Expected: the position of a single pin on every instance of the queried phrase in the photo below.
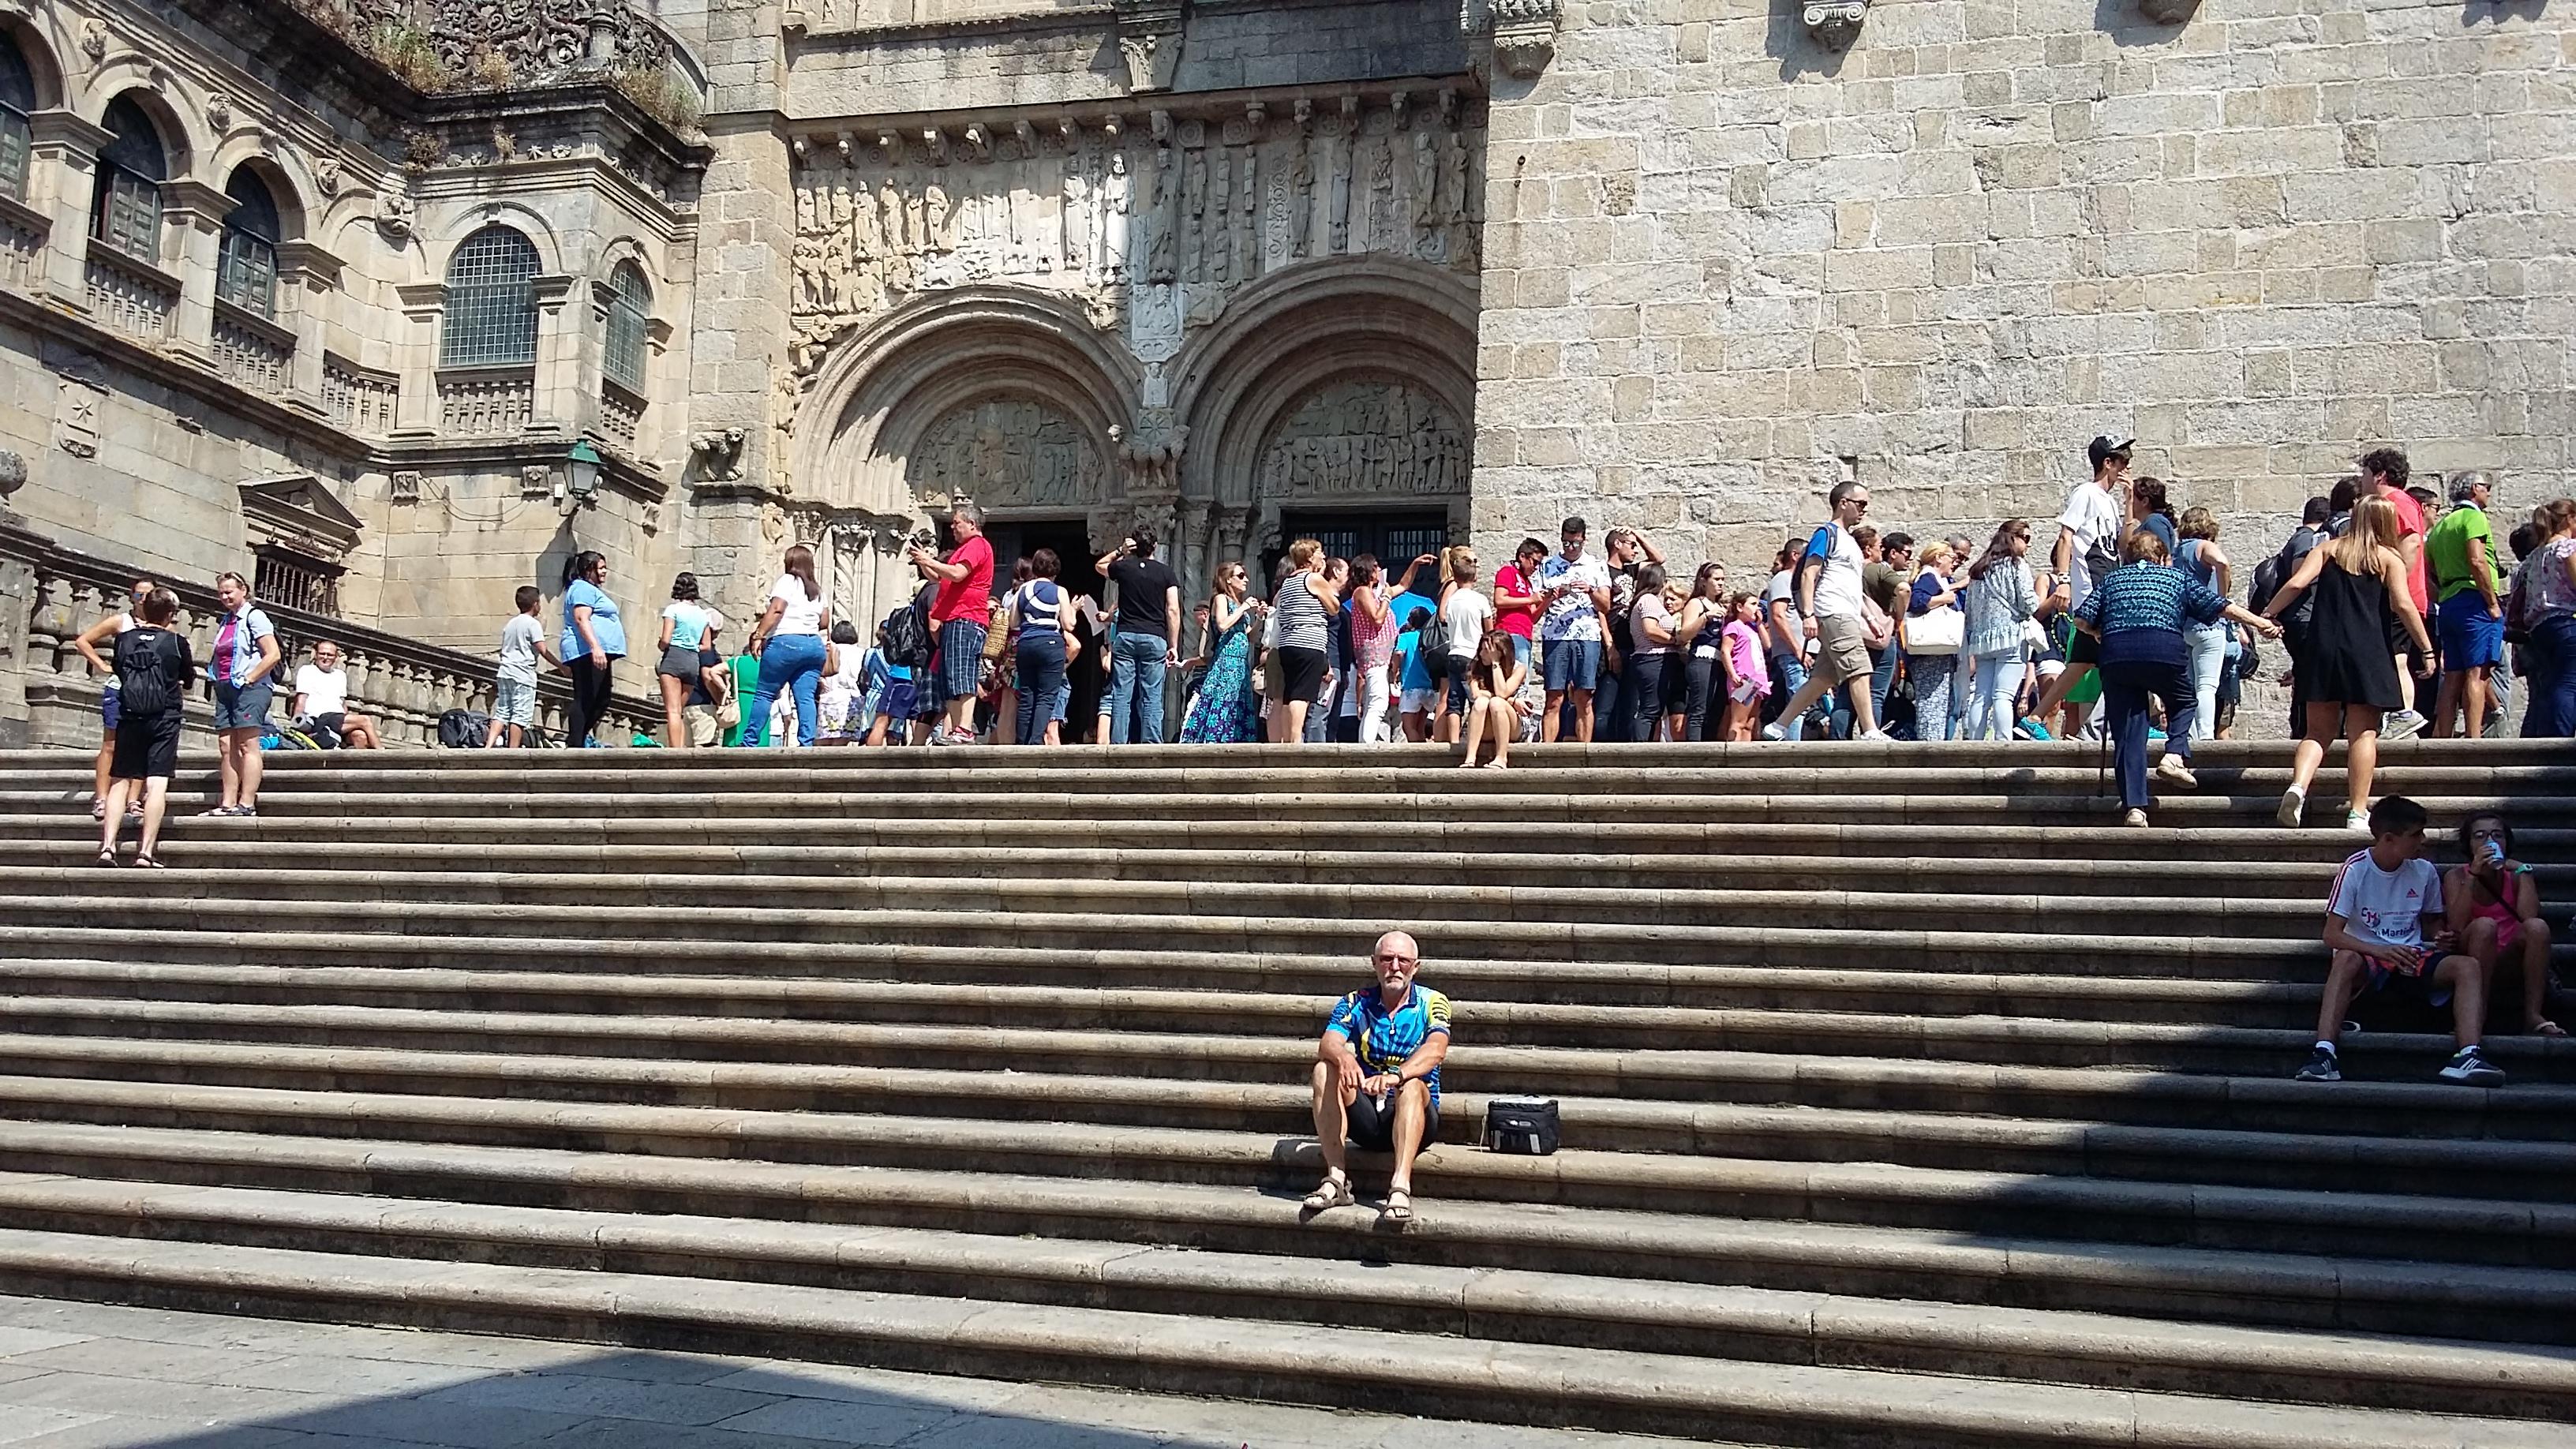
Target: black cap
(2103, 447)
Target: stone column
(63, 176)
(562, 404)
(19, 550)
(305, 277)
(192, 223)
(424, 306)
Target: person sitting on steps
(1377, 1077)
(2495, 908)
(2375, 925)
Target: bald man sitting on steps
(1377, 1076)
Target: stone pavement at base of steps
(106, 1376)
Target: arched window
(246, 274)
(126, 211)
(491, 301)
(17, 102)
(630, 306)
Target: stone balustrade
(132, 297)
(621, 417)
(22, 243)
(404, 685)
(359, 399)
(486, 402)
(252, 352)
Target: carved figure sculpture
(1426, 194)
(1301, 198)
(1194, 208)
(1113, 218)
(1166, 219)
(1381, 214)
(811, 288)
(1220, 221)
(1077, 215)
(1341, 235)
(1247, 232)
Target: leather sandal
(1334, 1192)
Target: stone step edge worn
(1263, 1155)
(1134, 1210)
(1525, 1383)
(2081, 1348)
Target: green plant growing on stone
(408, 53)
(488, 69)
(660, 93)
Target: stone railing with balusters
(405, 686)
(250, 351)
(22, 243)
(135, 298)
(486, 402)
(621, 417)
(359, 399)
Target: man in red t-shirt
(1517, 598)
(2384, 470)
(960, 615)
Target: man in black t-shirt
(1146, 641)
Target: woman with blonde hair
(1227, 708)
(2198, 555)
(1934, 630)
(1465, 614)
(2346, 673)
(1304, 607)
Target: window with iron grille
(290, 580)
(630, 306)
(491, 302)
(17, 102)
(246, 274)
(126, 212)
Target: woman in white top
(1467, 613)
(844, 683)
(688, 630)
(789, 642)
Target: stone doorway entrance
(1014, 539)
(1396, 537)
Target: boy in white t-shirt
(514, 682)
(2375, 925)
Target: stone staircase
(1906, 1099)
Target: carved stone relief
(1365, 437)
(76, 416)
(1009, 452)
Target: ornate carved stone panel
(1365, 438)
(1009, 452)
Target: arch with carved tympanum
(1390, 339)
(1004, 395)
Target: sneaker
(1774, 733)
(2174, 771)
(2470, 1068)
(941, 736)
(2323, 1066)
(220, 812)
(2032, 729)
(2356, 820)
(2294, 807)
(2405, 724)
(2136, 818)
(1874, 735)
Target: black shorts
(147, 746)
(2083, 649)
(2419, 989)
(1301, 674)
(1372, 1122)
(335, 722)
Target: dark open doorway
(1396, 538)
(1017, 538)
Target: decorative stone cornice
(1836, 23)
(1525, 35)
(1149, 39)
(308, 260)
(200, 202)
(55, 132)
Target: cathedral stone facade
(396, 304)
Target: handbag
(1526, 1126)
(1942, 631)
(1875, 625)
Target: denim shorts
(109, 699)
(243, 706)
(1571, 664)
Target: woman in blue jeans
(789, 641)
(1037, 618)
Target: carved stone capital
(2169, 12)
(1149, 40)
(1836, 23)
(1525, 35)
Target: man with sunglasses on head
(105, 631)
(1828, 592)
(1377, 1077)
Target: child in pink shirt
(1747, 682)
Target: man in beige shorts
(1829, 602)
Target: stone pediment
(298, 511)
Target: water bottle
(2491, 854)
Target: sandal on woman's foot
(2546, 1027)
(1334, 1192)
(1399, 1207)
(107, 857)
(98, 808)
(149, 862)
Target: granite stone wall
(1726, 266)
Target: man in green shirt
(2470, 613)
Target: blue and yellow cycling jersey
(1383, 1039)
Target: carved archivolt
(1365, 438)
(1009, 452)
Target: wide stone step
(1665, 1057)
(987, 833)
(1341, 1365)
(765, 932)
(2346, 1155)
(2035, 1097)
(1507, 1305)
(2300, 1289)
(1283, 996)
(2493, 1231)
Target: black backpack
(907, 638)
(143, 672)
(463, 729)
